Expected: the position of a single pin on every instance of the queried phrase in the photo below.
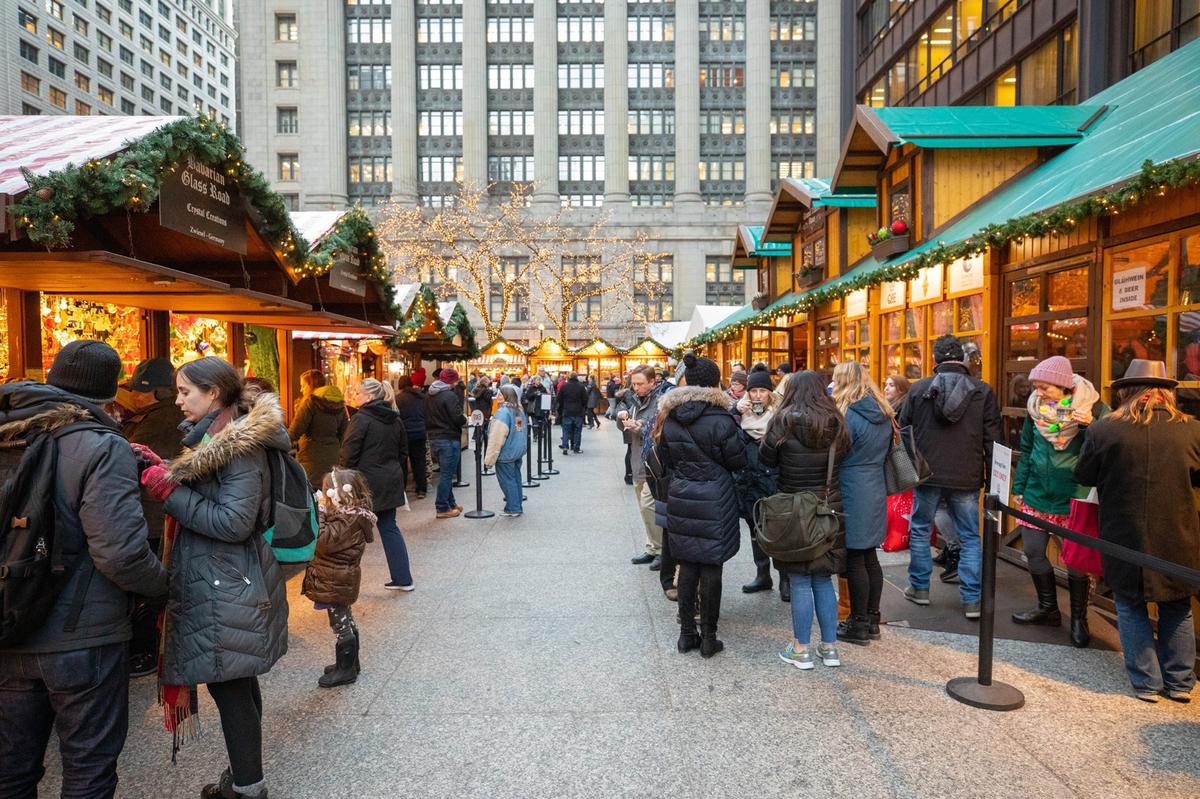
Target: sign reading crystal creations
(891, 295)
(966, 275)
(343, 276)
(856, 304)
(203, 202)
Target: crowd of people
(149, 509)
(702, 452)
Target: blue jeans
(964, 508)
(393, 547)
(83, 695)
(447, 454)
(572, 432)
(811, 591)
(508, 475)
(1162, 663)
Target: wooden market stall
(501, 356)
(646, 352)
(551, 355)
(436, 334)
(599, 358)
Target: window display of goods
(66, 319)
(195, 337)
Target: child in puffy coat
(347, 525)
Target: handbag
(1085, 519)
(798, 527)
(904, 468)
(899, 515)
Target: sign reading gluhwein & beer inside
(203, 202)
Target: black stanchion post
(479, 512)
(529, 481)
(981, 691)
(487, 472)
(550, 448)
(458, 481)
(539, 430)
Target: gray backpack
(799, 527)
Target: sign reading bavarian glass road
(203, 202)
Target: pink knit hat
(1055, 370)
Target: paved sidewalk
(534, 661)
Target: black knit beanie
(760, 377)
(701, 372)
(948, 348)
(89, 369)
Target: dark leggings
(239, 703)
(1033, 542)
(707, 578)
(865, 579)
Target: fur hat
(760, 377)
(701, 372)
(87, 368)
(948, 348)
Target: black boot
(1080, 588)
(940, 558)
(873, 618)
(710, 613)
(785, 588)
(709, 643)
(689, 639)
(343, 672)
(1046, 613)
(855, 630)
(223, 789)
(950, 568)
(762, 582)
(357, 662)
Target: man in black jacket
(445, 425)
(571, 404)
(955, 420)
(72, 673)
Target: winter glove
(158, 483)
(146, 457)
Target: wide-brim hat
(1142, 372)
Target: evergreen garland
(424, 308)
(1152, 181)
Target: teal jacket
(1045, 478)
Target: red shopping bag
(1085, 518)
(898, 515)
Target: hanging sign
(927, 285)
(891, 295)
(343, 276)
(1129, 289)
(203, 202)
(1001, 484)
(856, 304)
(966, 275)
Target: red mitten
(158, 483)
(145, 455)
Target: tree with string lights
(481, 244)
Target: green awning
(768, 249)
(991, 126)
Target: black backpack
(32, 568)
(292, 527)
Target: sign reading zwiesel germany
(202, 201)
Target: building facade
(126, 57)
(670, 118)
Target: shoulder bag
(904, 468)
(799, 527)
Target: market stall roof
(549, 348)
(796, 196)
(313, 225)
(648, 347)
(598, 347)
(874, 132)
(671, 334)
(436, 328)
(749, 246)
(105, 277)
(501, 345)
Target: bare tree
(481, 244)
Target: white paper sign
(1001, 472)
(891, 295)
(856, 304)
(966, 274)
(546, 402)
(1129, 288)
(927, 285)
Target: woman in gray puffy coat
(226, 617)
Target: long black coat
(572, 399)
(701, 446)
(1145, 475)
(955, 419)
(414, 410)
(377, 445)
(802, 457)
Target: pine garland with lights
(425, 308)
(1154, 180)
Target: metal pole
(981, 691)
(550, 448)
(539, 431)
(479, 512)
(529, 481)
(458, 481)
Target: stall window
(900, 204)
(1153, 305)
(856, 343)
(195, 337)
(1046, 314)
(800, 360)
(770, 345)
(66, 319)
(829, 345)
(904, 343)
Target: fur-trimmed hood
(260, 428)
(687, 404)
(27, 406)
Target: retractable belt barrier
(981, 691)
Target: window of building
(148, 94)
(58, 98)
(286, 29)
(581, 76)
(55, 8)
(105, 94)
(83, 82)
(287, 120)
(723, 285)
(793, 29)
(651, 199)
(80, 24)
(578, 200)
(502, 29)
(501, 123)
(651, 76)
(581, 29)
(370, 123)
(127, 82)
(651, 122)
(581, 274)
(582, 122)
(722, 123)
(651, 29)
(440, 76)
(127, 107)
(439, 29)
(57, 68)
(1046, 313)
(82, 109)
(27, 21)
(509, 268)
(581, 167)
(722, 28)
(289, 166)
(369, 31)
(30, 110)
(722, 168)
(81, 53)
(285, 74)
(440, 168)
(30, 84)
(28, 51)
(726, 76)
(104, 41)
(510, 167)
(651, 167)
(793, 122)
(292, 201)
(793, 169)
(652, 296)
(147, 44)
(510, 76)
(788, 76)
(56, 38)
(369, 77)
(126, 29)
(370, 169)
(147, 69)
(104, 68)
(1160, 27)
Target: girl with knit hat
(755, 411)
(1060, 408)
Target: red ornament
(899, 227)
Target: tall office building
(668, 117)
(154, 57)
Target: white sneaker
(801, 659)
(828, 654)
